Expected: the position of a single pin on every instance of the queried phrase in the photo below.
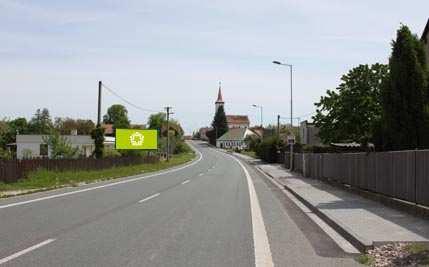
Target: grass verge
(365, 259)
(249, 153)
(44, 180)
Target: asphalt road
(203, 214)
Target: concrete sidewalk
(361, 221)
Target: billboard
(136, 139)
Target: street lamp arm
(282, 64)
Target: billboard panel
(136, 139)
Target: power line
(127, 101)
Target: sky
(159, 53)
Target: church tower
(219, 102)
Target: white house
(33, 146)
(309, 134)
(234, 138)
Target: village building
(233, 121)
(235, 138)
(34, 146)
(309, 134)
(238, 128)
(203, 133)
(237, 121)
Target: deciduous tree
(353, 110)
(118, 116)
(60, 147)
(41, 122)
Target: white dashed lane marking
(149, 198)
(25, 251)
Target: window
(43, 150)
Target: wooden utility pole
(99, 103)
(168, 131)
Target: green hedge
(268, 149)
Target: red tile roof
(108, 128)
(237, 119)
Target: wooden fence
(12, 170)
(399, 174)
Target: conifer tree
(404, 96)
(219, 124)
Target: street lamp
(291, 105)
(260, 107)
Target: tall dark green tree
(41, 122)
(65, 126)
(118, 116)
(352, 112)
(98, 136)
(219, 125)
(157, 120)
(405, 94)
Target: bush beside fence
(399, 174)
(13, 170)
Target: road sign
(291, 139)
(136, 139)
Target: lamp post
(291, 105)
(261, 108)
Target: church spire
(219, 102)
(219, 94)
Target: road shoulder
(292, 232)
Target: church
(238, 128)
(233, 121)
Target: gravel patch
(399, 254)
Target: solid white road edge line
(106, 185)
(25, 251)
(263, 255)
(150, 197)
(345, 245)
(185, 182)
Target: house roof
(258, 130)
(235, 134)
(425, 32)
(38, 139)
(108, 128)
(237, 119)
